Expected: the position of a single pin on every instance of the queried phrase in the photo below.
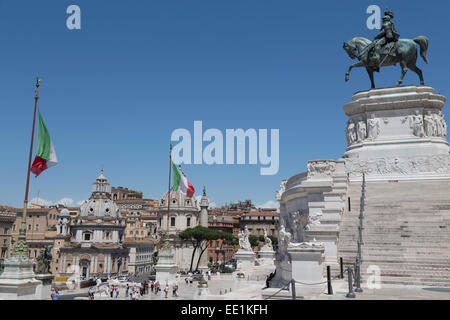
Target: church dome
(100, 203)
(178, 201)
(64, 213)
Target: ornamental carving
(437, 164)
(320, 168)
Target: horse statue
(404, 52)
(44, 260)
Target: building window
(29, 227)
(188, 222)
(6, 231)
(14, 227)
(87, 236)
(172, 222)
(131, 233)
(36, 227)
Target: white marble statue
(438, 120)
(244, 243)
(313, 220)
(280, 192)
(362, 130)
(444, 125)
(373, 125)
(430, 124)
(351, 133)
(416, 123)
(297, 226)
(284, 239)
(267, 242)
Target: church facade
(92, 242)
(184, 214)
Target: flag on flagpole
(181, 183)
(45, 156)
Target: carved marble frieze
(321, 168)
(435, 164)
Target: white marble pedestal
(245, 260)
(166, 269)
(266, 257)
(18, 281)
(397, 133)
(307, 268)
(45, 288)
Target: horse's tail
(422, 41)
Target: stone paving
(387, 292)
(219, 289)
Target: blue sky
(113, 92)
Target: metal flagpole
(167, 244)
(21, 247)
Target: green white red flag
(45, 156)
(181, 183)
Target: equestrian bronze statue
(386, 50)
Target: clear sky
(113, 92)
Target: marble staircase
(406, 231)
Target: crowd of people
(136, 292)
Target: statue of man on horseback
(387, 37)
(386, 50)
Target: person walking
(152, 285)
(174, 290)
(55, 294)
(117, 292)
(111, 291)
(127, 290)
(166, 290)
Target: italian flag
(46, 156)
(181, 183)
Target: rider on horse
(388, 34)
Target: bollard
(294, 296)
(342, 267)
(350, 293)
(358, 276)
(330, 288)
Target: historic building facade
(255, 221)
(218, 251)
(184, 213)
(94, 242)
(7, 220)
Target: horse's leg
(404, 70)
(370, 72)
(414, 68)
(355, 65)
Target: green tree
(200, 238)
(254, 240)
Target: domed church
(94, 244)
(184, 213)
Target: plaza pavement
(229, 289)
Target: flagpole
(21, 247)
(168, 198)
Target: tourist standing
(117, 292)
(111, 292)
(166, 290)
(55, 295)
(152, 285)
(126, 291)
